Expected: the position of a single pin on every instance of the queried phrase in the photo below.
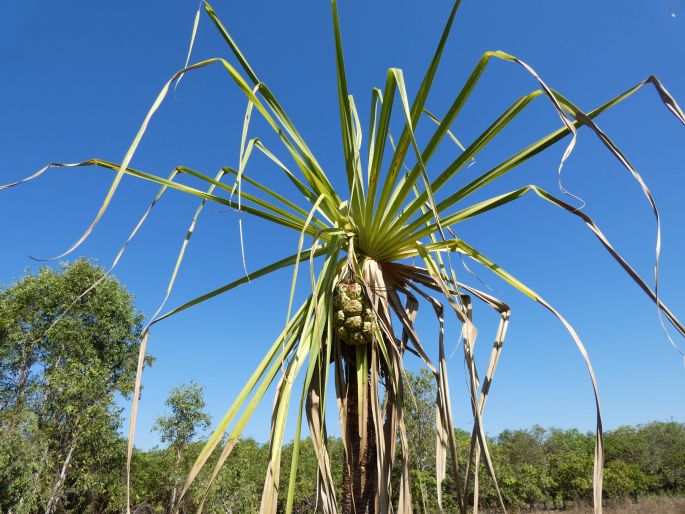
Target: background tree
(419, 413)
(185, 420)
(657, 449)
(238, 487)
(59, 375)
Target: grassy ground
(660, 505)
(648, 506)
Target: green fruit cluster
(355, 321)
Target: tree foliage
(185, 419)
(59, 374)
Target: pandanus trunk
(360, 474)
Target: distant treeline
(535, 468)
(61, 449)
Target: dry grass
(660, 505)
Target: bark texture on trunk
(360, 474)
(174, 490)
(55, 496)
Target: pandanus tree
(375, 254)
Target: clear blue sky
(78, 78)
